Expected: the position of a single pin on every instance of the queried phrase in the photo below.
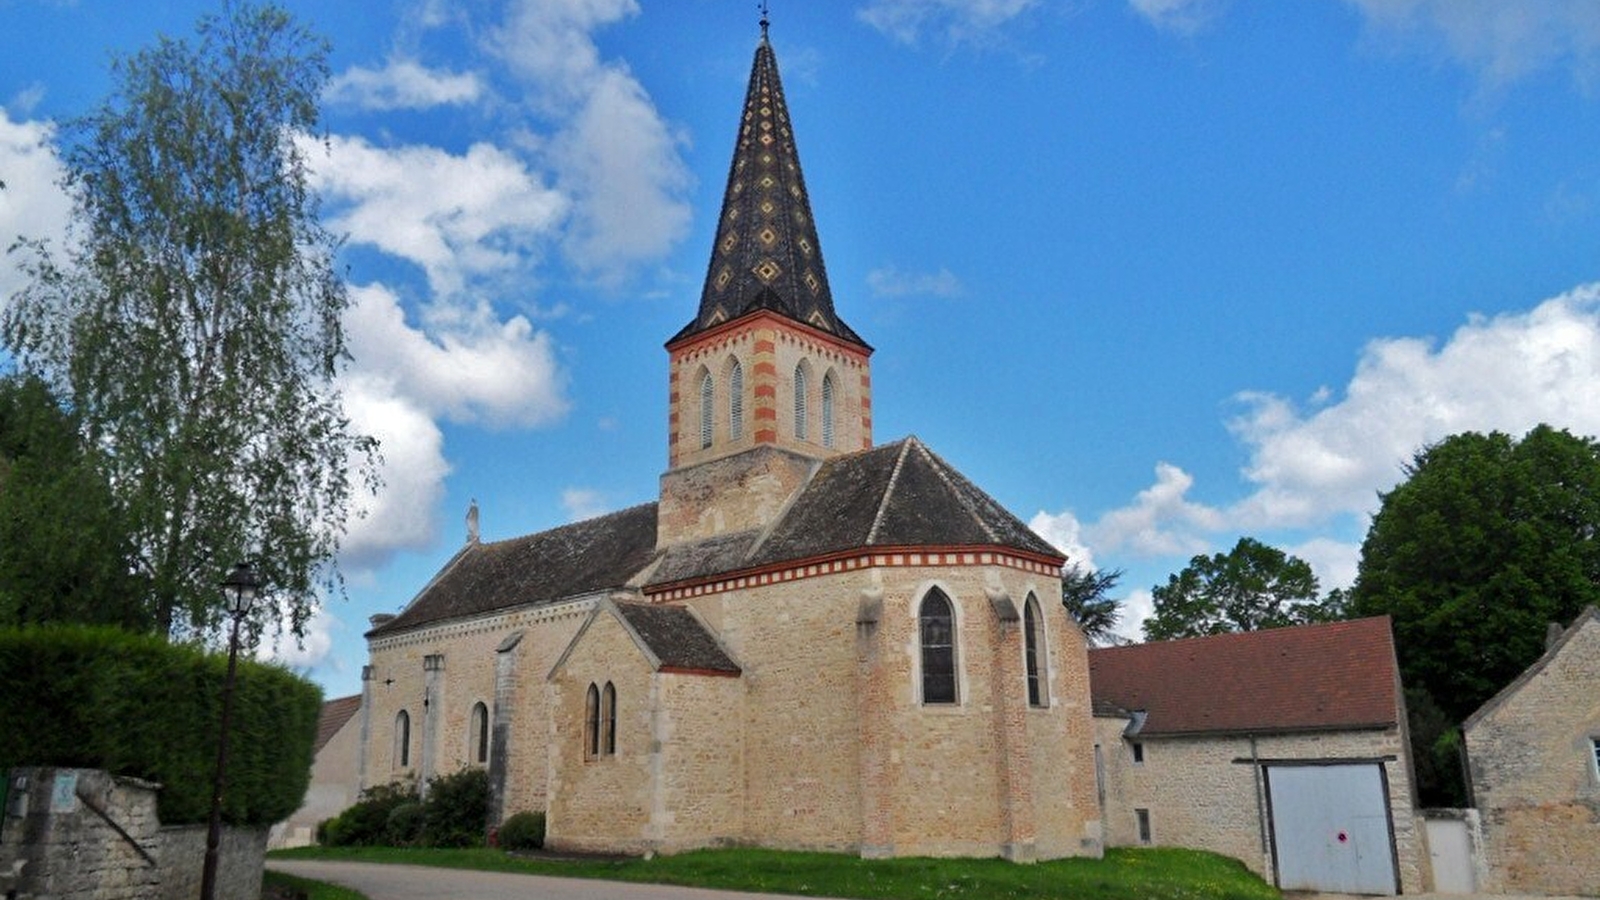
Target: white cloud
(473, 369)
(583, 503)
(1506, 373)
(458, 217)
(1065, 533)
(1161, 521)
(954, 21)
(1502, 40)
(890, 281)
(32, 205)
(612, 152)
(306, 652)
(401, 515)
(1181, 16)
(402, 84)
(1320, 468)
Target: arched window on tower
(736, 401)
(1033, 653)
(827, 410)
(478, 734)
(936, 626)
(591, 723)
(708, 409)
(402, 739)
(800, 430)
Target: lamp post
(239, 588)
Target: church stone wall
(796, 644)
(605, 802)
(1200, 795)
(1535, 776)
(467, 657)
(841, 754)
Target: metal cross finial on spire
(765, 22)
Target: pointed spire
(766, 254)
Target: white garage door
(1330, 828)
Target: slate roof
(766, 255)
(677, 638)
(1341, 675)
(334, 715)
(582, 558)
(897, 495)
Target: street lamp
(239, 589)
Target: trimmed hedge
(100, 698)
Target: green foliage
(405, 825)
(1435, 752)
(1251, 587)
(367, 822)
(456, 809)
(195, 325)
(1086, 593)
(1124, 874)
(136, 705)
(1486, 542)
(65, 555)
(523, 831)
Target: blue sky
(1155, 273)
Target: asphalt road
(380, 881)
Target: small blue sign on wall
(64, 793)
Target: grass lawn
(1124, 874)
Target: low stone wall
(83, 834)
(240, 859)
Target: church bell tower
(766, 363)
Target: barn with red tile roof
(1285, 748)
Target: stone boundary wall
(84, 834)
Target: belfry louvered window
(707, 409)
(800, 403)
(736, 401)
(827, 410)
(936, 626)
(1033, 652)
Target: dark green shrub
(523, 831)
(456, 809)
(367, 822)
(405, 825)
(100, 698)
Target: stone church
(807, 642)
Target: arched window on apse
(936, 627)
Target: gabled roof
(897, 495)
(1590, 616)
(676, 639)
(334, 715)
(670, 638)
(1341, 675)
(582, 558)
(766, 255)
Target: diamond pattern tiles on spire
(766, 254)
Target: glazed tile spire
(766, 255)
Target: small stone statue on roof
(472, 522)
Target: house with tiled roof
(1285, 748)
(335, 783)
(1533, 754)
(807, 640)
